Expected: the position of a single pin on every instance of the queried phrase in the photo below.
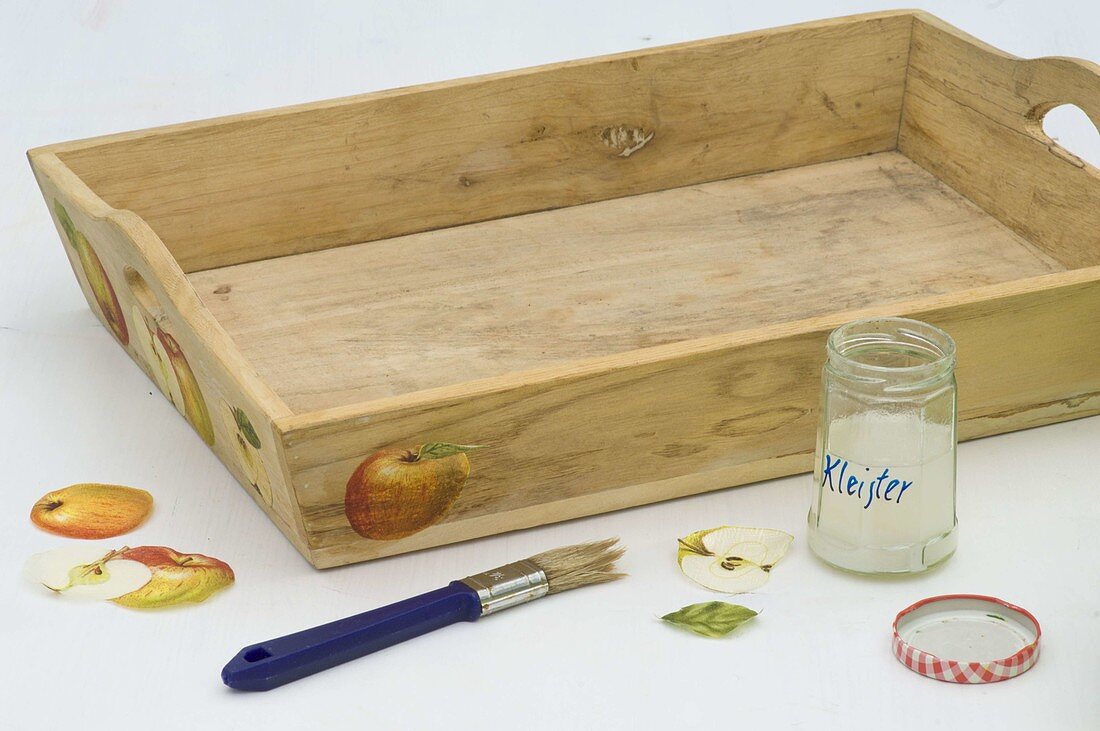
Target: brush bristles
(570, 567)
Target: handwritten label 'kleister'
(856, 481)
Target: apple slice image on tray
(153, 355)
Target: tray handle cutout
(1055, 81)
(143, 294)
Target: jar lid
(966, 638)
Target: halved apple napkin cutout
(732, 559)
(146, 577)
(85, 572)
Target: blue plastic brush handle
(276, 662)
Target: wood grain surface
(689, 417)
(973, 117)
(380, 319)
(395, 162)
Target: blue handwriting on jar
(878, 488)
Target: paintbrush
(276, 662)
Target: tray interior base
(378, 319)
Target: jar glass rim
(891, 330)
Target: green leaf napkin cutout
(710, 619)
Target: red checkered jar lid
(966, 638)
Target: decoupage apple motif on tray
(156, 360)
(194, 405)
(95, 275)
(164, 358)
(401, 490)
(248, 445)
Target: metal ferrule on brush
(509, 585)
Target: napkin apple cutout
(176, 578)
(85, 572)
(398, 491)
(92, 510)
(732, 559)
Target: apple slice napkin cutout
(86, 573)
(146, 577)
(732, 559)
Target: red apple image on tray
(398, 491)
(96, 275)
(91, 510)
(176, 577)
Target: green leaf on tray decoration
(710, 619)
(246, 427)
(439, 450)
(66, 222)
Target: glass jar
(884, 476)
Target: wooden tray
(615, 275)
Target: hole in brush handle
(255, 654)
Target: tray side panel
(398, 162)
(681, 419)
(136, 290)
(973, 117)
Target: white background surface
(74, 408)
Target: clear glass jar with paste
(884, 476)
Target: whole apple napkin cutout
(146, 577)
(92, 511)
(732, 559)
